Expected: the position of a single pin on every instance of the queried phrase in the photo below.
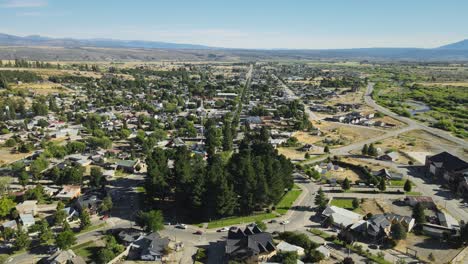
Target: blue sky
(245, 24)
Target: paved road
(291, 95)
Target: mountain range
(39, 47)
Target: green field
(343, 203)
(281, 208)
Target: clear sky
(245, 24)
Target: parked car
(224, 229)
(285, 222)
(181, 226)
(273, 221)
(198, 232)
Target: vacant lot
(346, 133)
(6, 157)
(44, 88)
(419, 141)
(424, 246)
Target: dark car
(198, 232)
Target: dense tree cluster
(252, 179)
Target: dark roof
(153, 244)
(449, 161)
(248, 242)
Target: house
(284, 246)
(391, 156)
(426, 201)
(342, 218)
(388, 174)
(447, 166)
(71, 213)
(250, 245)
(69, 192)
(175, 143)
(10, 224)
(65, 257)
(90, 202)
(152, 247)
(129, 236)
(324, 250)
(27, 220)
(27, 207)
(128, 165)
(380, 225)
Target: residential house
(152, 247)
(426, 201)
(27, 220)
(129, 236)
(27, 207)
(65, 257)
(128, 165)
(90, 202)
(250, 245)
(342, 218)
(69, 192)
(10, 224)
(324, 250)
(388, 175)
(71, 213)
(391, 156)
(284, 246)
(447, 166)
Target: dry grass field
(347, 133)
(6, 157)
(43, 88)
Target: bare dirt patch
(424, 246)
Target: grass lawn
(319, 233)
(399, 183)
(282, 207)
(86, 250)
(91, 228)
(288, 199)
(240, 220)
(346, 204)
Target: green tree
(65, 239)
(85, 219)
(326, 149)
(23, 178)
(97, 178)
(107, 204)
(382, 184)
(151, 221)
(372, 151)
(355, 203)
(6, 205)
(60, 214)
(346, 185)
(227, 134)
(407, 186)
(418, 214)
(5, 182)
(45, 233)
(398, 231)
(22, 240)
(365, 149)
(3, 82)
(320, 199)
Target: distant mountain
(461, 45)
(37, 48)
(36, 40)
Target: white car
(224, 229)
(285, 222)
(181, 226)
